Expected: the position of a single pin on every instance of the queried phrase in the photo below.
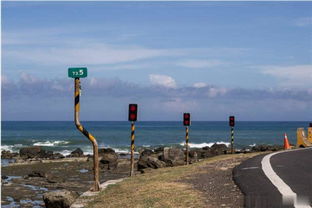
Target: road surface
(280, 179)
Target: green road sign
(79, 72)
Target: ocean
(63, 137)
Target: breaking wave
(201, 145)
(51, 143)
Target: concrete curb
(88, 196)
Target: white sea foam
(7, 147)
(252, 145)
(65, 152)
(201, 145)
(51, 143)
(121, 150)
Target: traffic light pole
(232, 139)
(186, 144)
(132, 149)
(96, 186)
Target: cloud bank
(162, 100)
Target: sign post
(232, 124)
(187, 123)
(133, 111)
(78, 73)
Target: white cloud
(199, 63)
(90, 54)
(304, 21)
(162, 80)
(298, 75)
(200, 85)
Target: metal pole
(232, 140)
(96, 186)
(186, 144)
(132, 149)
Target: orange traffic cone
(286, 143)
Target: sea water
(63, 137)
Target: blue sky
(213, 59)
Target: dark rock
(205, 152)
(264, 147)
(218, 149)
(109, 159)
(59, 199)
(260, 148)
(40, 174)
(150, 162)
(193, 155)
(206, 148)
(58, 156)
(3, 177)
(76, 153)
(146, 152)
(159, 150)
(34, 152)
(7, 154)
(276, 147)
(103, 151)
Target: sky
(212, 59)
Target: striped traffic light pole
(132, 149)
(133, 111)
(96, 186)
(186, 144)
(232, 139)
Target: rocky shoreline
(37, 172)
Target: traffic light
(133, 110)
(186, 119)
(232, 121)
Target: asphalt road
(265, 180)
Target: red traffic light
(133, 111)
(232, 121)
(186, 119)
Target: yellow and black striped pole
(232, 139)
(186, 144)
(132, 149)
(96, 186)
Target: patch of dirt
(214, 180)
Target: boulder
(58, 156)
(146, 152)
(34, 152)
(103, 151)
(150, 162)
(7, 154)
(217, 149)
(193, 155)
(204, 153)
(76, 153)
(109, 159)
(173, 156)
(59, 199)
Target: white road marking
(289, 197)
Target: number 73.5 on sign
(79, 72)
